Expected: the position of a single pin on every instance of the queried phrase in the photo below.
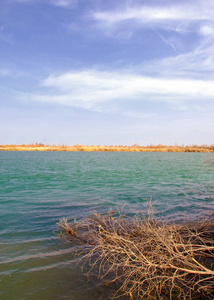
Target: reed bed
(106, 148)
(146, 258)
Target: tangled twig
(148, 259)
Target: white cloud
(191, 59)
(109, 81)
(207, 30)
(191, 11)
(195, 61)
(195, 64)
(64, 3)
(91, 89)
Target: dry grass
(120, 148)
(146, 258)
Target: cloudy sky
(107, 72)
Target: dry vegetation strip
(146, 258)
(134, 148)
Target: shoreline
(97, 148)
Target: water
(37, 189)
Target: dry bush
(146, 258)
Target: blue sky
(107, 72)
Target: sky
(97, 72)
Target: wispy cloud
(207, 30)
(195, 64)
(196, 61)
(91, 89)
(192, 60)
(64, 3)
(192, 11)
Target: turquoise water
(39, 188)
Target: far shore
(120, 148)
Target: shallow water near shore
(37, 189)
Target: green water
(39, 188)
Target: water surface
(39, 188)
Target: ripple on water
(37, 189)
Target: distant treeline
(119, 148)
